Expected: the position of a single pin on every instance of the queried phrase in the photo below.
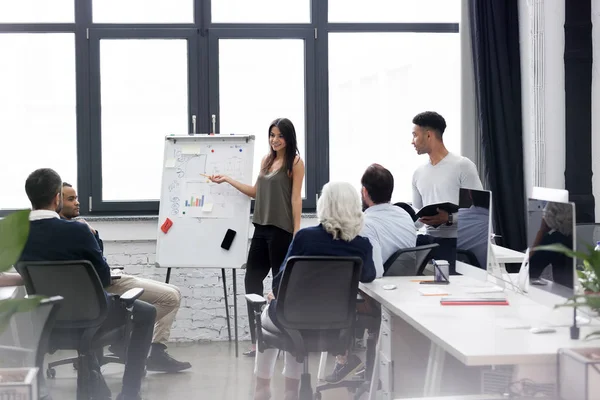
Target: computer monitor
(551, 222)
(474, 227)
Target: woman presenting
(277, 209)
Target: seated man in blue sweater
(166, 298)
(53, 239)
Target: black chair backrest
(408, 208)
(587, 235)
(85, 302)
(318, 292)
(408, 262)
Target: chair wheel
(50, 373)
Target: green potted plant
(589, 278)
(15, 382)
(14, 230)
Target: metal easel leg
(235, 313)
(226, 302)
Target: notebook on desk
(473, 301)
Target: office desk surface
(8, 292)
(480, 335)
(507, 256)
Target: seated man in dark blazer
(53, 239)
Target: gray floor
(215, 374)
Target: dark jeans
(268, 248)
(142, 327)
(445, 251)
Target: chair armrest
(255, 299)
(130, 296)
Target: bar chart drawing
(205, 199)
(195, 202)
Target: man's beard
(364, 205)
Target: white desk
(474, 335)
(507, 256)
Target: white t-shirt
(441, 183)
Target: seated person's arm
(368, 270)
(10, 279)
(295, 249)
(370, 234)
(99, 241)
(91, 252)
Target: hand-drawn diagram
(194, 196)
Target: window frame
(203, 32)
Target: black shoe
(161, 361)
(249, 353)
(342, 371)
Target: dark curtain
(495, 41)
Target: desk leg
(435, 367)
(375, 375)
(322, 366)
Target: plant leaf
(10, 307)
(561, 248)
(14, 230)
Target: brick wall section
(202, 312)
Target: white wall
(550, 109)
(131, 242)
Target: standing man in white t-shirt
(439, 181)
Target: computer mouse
(542, 330)
(389, 287)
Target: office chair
(24, 342)
(316, 310)
(102, 359)
(408, 208)
(467, 256)
(408, 262)
(84, 309)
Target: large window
(90, 88)
(261, 11)
(37, 117)
(255, 87)
(144, 97)
(143, 11)
(377, 83)
(410, 11)
(37, 11)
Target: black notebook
(431, 210)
